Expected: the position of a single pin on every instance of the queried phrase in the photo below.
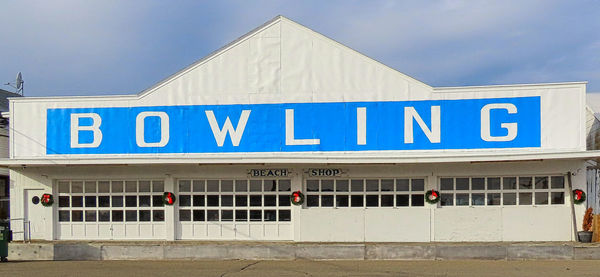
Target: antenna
(18, 85)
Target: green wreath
(297, 198)
(578, 196)
(169, 198)
(432, 196)
(47, 200)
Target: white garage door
(240, 209)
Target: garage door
(241, 209)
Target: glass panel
(270, 185)
(241, 200)
(117, 216)
(255, 185)
(447, 199)
(117, 186)
(227, 215)
(64, 216)
(212, 200)
(270, 215)
(130, 186)
(76, 201)
(199, 186)
(387, 185)
(77, 187)
(157, 201)
(312, 200)
(285, 185)
(372, 185)
(417, 200)
(255, 215)
(212, 215)
(241, 215)
(158, 186)
(402, 200)
(144, 201)
(357, 201)
(227, 186)
(104, 201)
(241, 185)
(104, 186)
(227, 200)
(525, 198)
(270, 200)
(130, 215)
(199, 201)
(255, 200)
(145, 187)
(185, 215)
(103, 216)
(541, 182)
(493, 183)
(130, 201)
(462, 184)
(285, 215)
(493, 199)
(185, 201)
(158, 215)
(418, 185)
(341, 200)
(212, 186)
(477, 199)
(509, 198)
(199, 215)
(312, 185)
(558, 182)
(478, 184)
(90, 216)
(284, 200)
(372, 200)
(90, 201)
(185, 185)
(64, 187)
(144, 215)
(525, 183)
(447, 184)
(76, 216)
(63, 201)
(326, 185)
(327, 201)
(357, 185)
(462, 199)
(117, 201)
(509, 183)
(541, 198)
(402, 184)
(387, 200)
(341, 185)
(557, 197)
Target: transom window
(111, 201)
(242, 200)
(370, 192)
(502, 191)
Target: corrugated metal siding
(592, 127)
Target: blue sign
(297, 127)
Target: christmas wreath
(432, 196)
(169, 198)
(297, 198)
(578, 196)
(47, 200)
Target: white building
(286, 109)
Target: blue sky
(123, 47)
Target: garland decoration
(432, 196)
(47, 200)
(578, 196)
(169, 198)
(297, 198)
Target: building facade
(284, 109)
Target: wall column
(170, 216)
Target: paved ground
(301, 268)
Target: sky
(123, 47)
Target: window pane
(76, 216)
(285, 185)
(387, 200)
(525, 183)
(157, 201)
(477, 183)
(270, 215)
(212, 215)
(541, 182)
(372, 200)
(357, 185)
(144, 215)
(312, 200)
(327, 201)
(558, 182)
(462, 199)
(90, 187)
(117, 201)
(493, 183)
(198, 186)
(158, 186)
(402, 184)
(477, 199)
(541, 198)
(76, 187)
(64, 216)
(255, 185)
(493, 199)
(462, 184)
(241, 185)
(357, 201)
(198, 215)
(417, 200)
(509, 183)
(255, 215)
(255, 200)
(104, 186)
(76, 201)
(212, 185)
(326, 185)
(130, 186)
(402, 200)
(284, 200)
(558, 197)
(130, 201)
(270, 200)
(90, 201)
(509, 199)
(90, 216)
(212, 200)
(117, 186)
(241, 215)
(145, 187)
(63, 201)
(184, 186)
(341, 185)
(198, 200)
(158, 215)
(241, 200)
(447, 199)
(227, 185)
(117, 216)
(185, 215)
(104, 201)
(372, 185)
(144, 201)
(312, 185)
(130, 215)
(341, 201)
(64, 187)
(447, 184)
(418, 185)
(227, 215)
(285, 215)
(103, 216)
(270, 185)
(387, 185)
(525, 198)
(227, 200)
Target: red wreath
(297, 198)
(47, 200)
(169, 198)
(578, 196)
(432, 196)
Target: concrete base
(307, 251)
